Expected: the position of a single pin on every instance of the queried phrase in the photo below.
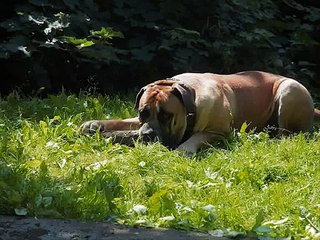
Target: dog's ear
(186, 94)
(142, 90)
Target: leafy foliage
(120, 44)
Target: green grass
(250, 184)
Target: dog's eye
(164, 116)
(144, 114)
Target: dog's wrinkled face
(162, 115)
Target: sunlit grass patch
(249, 184)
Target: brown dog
(191, 109)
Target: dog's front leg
(197, 140)
(93, 126)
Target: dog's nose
(149, 134)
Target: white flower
(183, 222)
(189, 183)
(140, 221)
(167, 218)
(55, 25)
(140, 209)
(210, 174)
(62, 163)
(51, 42)
(277, 222)
(142, 164)
(210, 184)
(211, 209)
(187, 209)
(312, 232)
(96, 165)
(52, 144)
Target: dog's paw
(91, 127)
(188, 149)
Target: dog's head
(163, 107)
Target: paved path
(23, 228)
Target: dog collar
(191, 119)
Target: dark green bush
(117, 44)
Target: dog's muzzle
(148, 133)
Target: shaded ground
(18, 228)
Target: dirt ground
(23, 228)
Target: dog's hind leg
(294, 107)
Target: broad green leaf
(43, 167)
(244, 127)
(259, 219)
(14, 197)
(79, 42)
(21, 211)
(263, 229)
(188, 31)
(47, 201)
(86, 44)
(43, 124)
(34, 163)
(106, 33)
(160, 202)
